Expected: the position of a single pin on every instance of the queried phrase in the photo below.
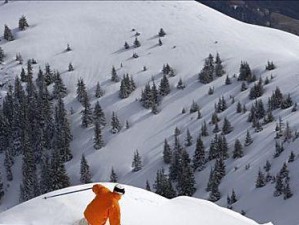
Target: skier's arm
(114, 214)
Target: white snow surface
(96, 32)
(138, 206)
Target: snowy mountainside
(97, 31)
(137, 207)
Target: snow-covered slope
(137, 207)
(97, 31)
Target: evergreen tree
(215, 194)
(45, 179)
(238, 150)
(215, 119)
(245, 72)
(71, 68)
(137, 43)
(248, 139)
(227, 128)
(239, 107)
(211, 91)
(49, 77)
(186, 181)
(164, 88)
(198, 114)
(287, 192)
(148, 186)
(62, 135)
(99, 92)
(219, 71)
(199, 155)
(23, 23)
(1, 187)
(81, 91)
(180, 84)
(291, 157)
(1, 55)
(98, 138)
(233, 197)
(161, 33)
(98, 114)
(85, 176)
(8, 34)
(194, 107)
(114, 76)
(189, 138)
(59, 88)
(59, 177)
(8, 162)
(260, 180)
(167, 152)
(228, 80)
(163, 185)
(137, 163)
(207, 72)
(126, 45)
(113, 176)
(115, 124)
(243, 86)
(270, 65)
(204, 129)
(267, 167)
(86, 112)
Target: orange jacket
(103, 206)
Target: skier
(104, 206)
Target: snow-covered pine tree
(194, 107)
(86, 112)
(115, 124)
(204, 129)
(167, 152)
(245, 72)
(81, 91)
(62, 134)
(1, 187)
(163, 185)
(147, 186)
(207, 73)
(126, 45)
(160, 42)
(113, 176)
(199, 155)
(161, 33)
(99, 91)
(238, 149)
(260, 180)
(8, 34)
(1, 55)
(228, 80)
(98, 114)
(71, 67)
(180, 84)
(136, 43)
(85, 176)
(186, 181)
(58, 174)
(114, 76)
(59, 89)
(164, 88)
(49, 78)
(98, 138)
(137, 163)
(45, 179)
(23, 23)
(219, 71)
(248, 139)
(8, 162)
(291, 157)
(189, 139)
(226, 128)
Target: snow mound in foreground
(138, 207)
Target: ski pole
(66, 193)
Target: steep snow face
(97, 31)
(137, 207)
